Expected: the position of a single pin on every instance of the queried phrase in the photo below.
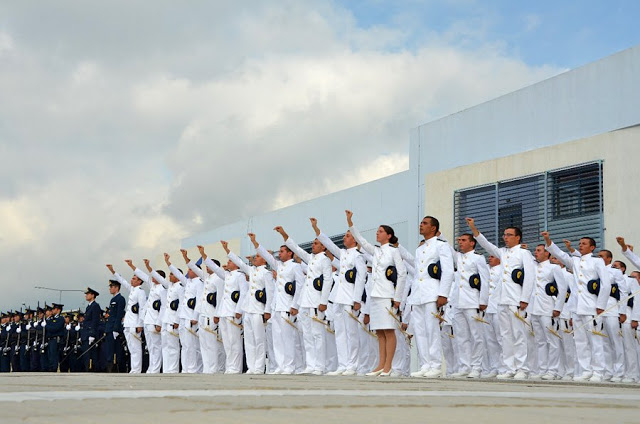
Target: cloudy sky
(128, 125)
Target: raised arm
(402, 276)
(235, 259)
(485, 278)
(325, 240)
(210, 264)
(366, 246)
(118, 277)
(555, 251)
(404, 253)
(491, 248)
(562, 284)
(302, 254)
(628, 253)
(175, 271)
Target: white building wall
(383, 201)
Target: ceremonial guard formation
(551, 313)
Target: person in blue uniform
(113, 328)
(90, 333)
(16, 342)
(27, 340)
(65, 347)
(5, 332)
(36, 340)
(44, 340)
(55, 330)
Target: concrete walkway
(156, 399)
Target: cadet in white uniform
(133, 319)
(518, 276)
(429, 293)
(493, 363)
(171, 321)
(211, 347)
(549, 294)
(256, 305)
(313, 301)
(594, 286)
(156, 306)
(350, 282)
(387, 288)
(568, 363)
(632, 363)
(288, 288)
(614, 315)
(472, 288)
(230, 312)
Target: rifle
(44, 343)
(94, 344)
(5, 350)
(17, 351)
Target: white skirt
(379, 316)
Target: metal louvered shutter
(567, 202)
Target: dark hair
(434, 222)
(288, 250)
(516, 230)
(544, 246)
(389, 230)
(180, 271)
(217, 262)
(470, 237)
(161, 272)
(607, 253)
(592, 241)
(623, 266)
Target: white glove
(68, 327)
(28, 327)
(115, 335)
(91, 339)
(44, 324)
(78, 327)
(8, 327)
(18, 330)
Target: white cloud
(117, 143)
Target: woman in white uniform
(389, 275)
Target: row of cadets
(134, 316)
(256, 306)
(313, 301)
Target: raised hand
(147, 265)
(225, 246)
(282, 232)
(166, 259)
(252, 237)
(130, 263)
(110, 268)
(349, 217)
(472, 225)
(547, 237)
(185, 255)
(202, 254)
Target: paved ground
(177, 399)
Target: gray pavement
(181, 398)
